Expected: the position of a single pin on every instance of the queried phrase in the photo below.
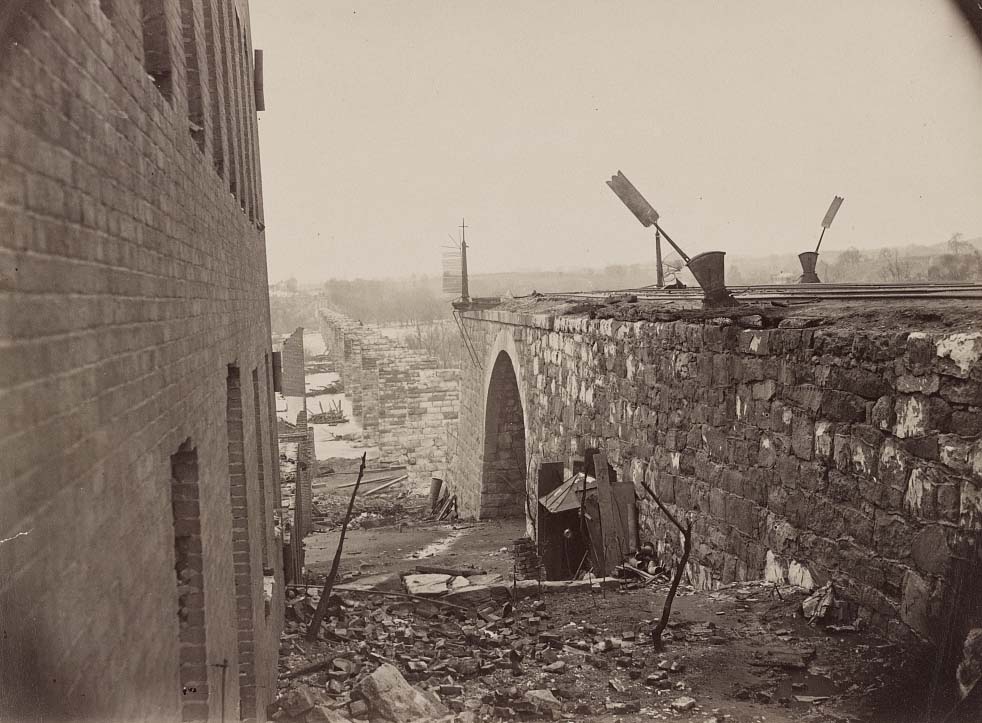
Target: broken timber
(321, 610)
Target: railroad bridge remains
(806, 452)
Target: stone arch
(504, 467)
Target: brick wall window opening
(241, 111)
(222, 31)
(189, 572)
(241, 554)
(196, 112)
(156, 46)
(248, 98)
(261, 471)
(214, 73)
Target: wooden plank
(609, 522)
(625, 506)
(452, 571)
(387, 485)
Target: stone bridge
(406, 403)
(804, 449)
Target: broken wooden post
(679, 571)
(608, 527)
(321, 610)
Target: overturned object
(817, 606)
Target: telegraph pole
(464, 291)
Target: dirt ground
(403, 546)
(742, 654)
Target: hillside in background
(414, 299)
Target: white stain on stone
(860, 463)
(911, 417)
(963, 349)
(793, 573)
(755, 343)
(891, 463)
(799, 575)
(970, 517)
(914, 496)
(774, 570)
(823, 439)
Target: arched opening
(503, 477)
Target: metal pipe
(660, 272)
(820, 237)
(668, 238)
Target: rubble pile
(498, 656)
(328, 512)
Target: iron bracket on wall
(468, 344)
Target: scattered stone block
(426, 584)
(323, 714)
(544, 700)
(683, 704)
(299, 700)
(389, 696)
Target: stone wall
(405, 403)
(134, 278)
(802, 454)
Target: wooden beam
(609, 524)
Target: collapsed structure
(140, 573)
(405, 402)
(297, 452)
(804, 448)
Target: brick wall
(803, 454)
(294, 377)
(404, 402)
(132, 274)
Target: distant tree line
(441, 340)
(402, 300)
(959, 262)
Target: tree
(956, 245)
(963, 262)
(849, 266)
(895, 267)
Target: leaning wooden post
(679, 571)
(315, 623)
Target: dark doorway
(503, 480)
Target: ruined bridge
(833, 441)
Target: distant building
(140, 570)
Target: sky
(386, 123)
